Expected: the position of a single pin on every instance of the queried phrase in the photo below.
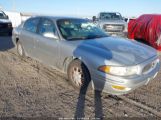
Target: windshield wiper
(88, 37)
(76, 38)
(97, 36)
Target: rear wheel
(79, 75)
(20, 49)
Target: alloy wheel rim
(77, 76)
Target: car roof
(151, 15)
(1, 11)
(109, 12)
(57, 17)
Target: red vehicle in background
(147, 29)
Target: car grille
(113, 28)
(149, 67)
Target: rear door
(46, 45)
(27, 36)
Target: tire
(79, 75)
(20, 49)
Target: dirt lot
(30, 89)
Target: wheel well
(68, 60)
(81, 62)
(17, 39)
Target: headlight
(125, 28)
(119, 71)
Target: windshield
(77, 29)
(2, 15)
(110, 16)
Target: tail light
(9, 25)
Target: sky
(83, 8)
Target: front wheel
(79, 75)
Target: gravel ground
(30, 89)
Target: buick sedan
(87, 54)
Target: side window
(31, 25)
(1, 15)
(46, 28)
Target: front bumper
(5, 31)
(6, 28)
(104, 82)
(118, 34)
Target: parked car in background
(17, 18)
(146, 28)
(87, 54)
(5, 24)
(112, 23)
(129, 19)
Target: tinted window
(31, 25)
(47, 26)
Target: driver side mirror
(94, 18)
(126, 19)
(7, 17)
(50, 35)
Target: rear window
(2, 15)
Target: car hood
(5, 21)
(118, 50)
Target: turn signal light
(117, 87)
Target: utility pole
(1, 7)
(13, 5)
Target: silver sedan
(88, 55)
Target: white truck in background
(17, 18)
(5, 24)
(112, 23)
(10, 20)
